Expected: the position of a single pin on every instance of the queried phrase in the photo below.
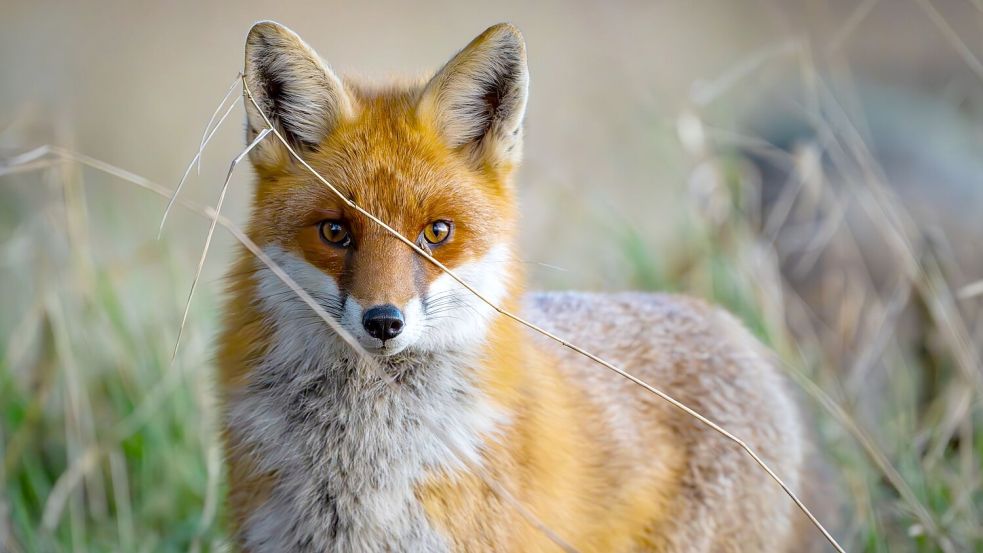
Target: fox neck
(348, 449)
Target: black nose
(383, 322)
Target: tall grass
(107, 445)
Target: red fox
(323, 456)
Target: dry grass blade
(205, 138)
(875, 454)
(704, 93)
(671, 400)
(210, 509)
(856, 17)
(208, 238)
(88, 460)
(898, 227)
(27, 167)
(950, 35)
(54, 505)
(27, 157)
(121, 497)
(971, 290)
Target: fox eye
(334, 233)
(437, 232)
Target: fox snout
(383, 322)
(384, 327)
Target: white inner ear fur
(293, 86)
(478, 99)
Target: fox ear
(477, 101)
(296, 90)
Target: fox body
(325, 456)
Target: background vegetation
(814, 169)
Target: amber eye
(334, 233)
(437, 232)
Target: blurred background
(814, 166)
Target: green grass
(85, 373)
(85, 370)
(98, 381)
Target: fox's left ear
(296, 90)
(477, 101)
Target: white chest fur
(347, 450)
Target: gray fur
(705, 358)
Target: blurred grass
(86, 382)
(108, 446)
(91, 303)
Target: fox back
(483, 428)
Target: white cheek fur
(460, 327)
(466, 325)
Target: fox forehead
(397, 167)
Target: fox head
(434, 160)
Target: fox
(323, 456)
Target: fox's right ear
(478, 99)
(296, 90)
